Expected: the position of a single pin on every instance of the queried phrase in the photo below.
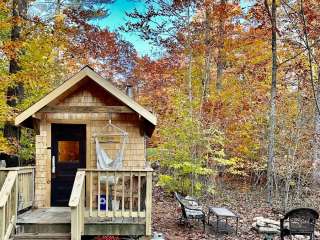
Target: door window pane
(68, 151)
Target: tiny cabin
(91, 175)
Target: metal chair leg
(281, 236)
(204, 224)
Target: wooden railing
(8, 204)
(26, 179)
(16, 193)
(25, 184)
(125, 193)
(3, 176)
(77, 206)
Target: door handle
(53, 169)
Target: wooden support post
(82, 209)
(3, 175)
(148, 203)
(99, 200)
(139, 195)
(115, 194)
(122, 199)
(90, 194)
(32, 183)
(76, 203)
(8, 204)
(2, 222)
(74, 225)
(107, 195)
(131, 189)
(15, 201)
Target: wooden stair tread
(53, 215)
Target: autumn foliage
(210, 87)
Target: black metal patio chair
(299, 221)
(190, 210)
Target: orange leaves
(11, 48)
(100, 48)
(154, 79)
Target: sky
(47, 8)
(118, 17)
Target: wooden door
(68, 153)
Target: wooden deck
(51, 215)
(58, 220)
(124, 209)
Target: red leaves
(100, 48)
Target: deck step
(44, 228)
(42, 236)
(45, 221)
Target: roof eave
(86, 71)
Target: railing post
(2, 222)
(3, 175)
(33, 186)
(76, 203)
(8, 204)
(74, 223)
(82, 207)
(148, 203)
(15, 200)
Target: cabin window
(68, 151)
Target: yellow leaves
(4, 25)
(37, 73)
(4, 16)
(37, 57)
(278, 3)
(5, 146)
(59, 18)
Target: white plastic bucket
(115, 205)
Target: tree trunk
(15, 93)
(221, 56)
(189, 80)
(316, 144)
(189, 63)
(207, 61)
(316, 95)
(58, 7)
(272, 114)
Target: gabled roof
(105, 84)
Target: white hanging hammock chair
(104, 161)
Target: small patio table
(223, 214)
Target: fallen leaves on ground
(247, 204)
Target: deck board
(62, 215)
(53, 215)
(125, 220)
(58, 220)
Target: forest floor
(247, 203)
